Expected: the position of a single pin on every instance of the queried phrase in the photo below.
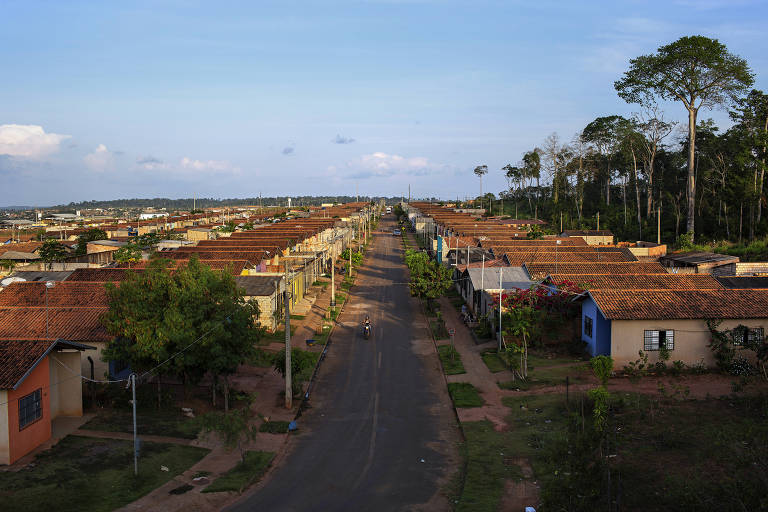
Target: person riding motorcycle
(366, 324)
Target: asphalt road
(380, 433)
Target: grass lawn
(298, 317)
(438, 330)
(244, 474)
(82, 473)
(451, 367)
(464, 394)
(668, 454)
(276, 337)
(542, 376)
(169, 423)
(489, 464)
(493, 361)
(262, 359)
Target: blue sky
(104, 100)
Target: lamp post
(557, 244)
(48, 284)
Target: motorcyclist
(366, 323)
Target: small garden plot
(464, 394)
(451, 360)
(492, 360)
(246, 472)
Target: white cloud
(378, 165)
(100, 160)
(28, 141)
(206, 165)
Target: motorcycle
(367, 330)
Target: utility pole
(561, 222)
(598, 221)
(658, 228)
(500, 291)
(288, 386)
(132, 380)
(333, 274)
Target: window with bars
(752, 335)
(30, 408)
(588, 326)
(654, 340)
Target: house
(591, 236)
(36, 387)
(267, 292)
(696, 262)
(66, 310)
(619, 323)
(477, 285)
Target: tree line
(707, 183)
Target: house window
(588, 326)
(653, 340)
(752, 335)
(30, 408)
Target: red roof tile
(77, 324)
(682, 304)
(63, 294)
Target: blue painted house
(595, 328)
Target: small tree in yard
(51, 251)
(194, 320)
(520, 322)
(429, 279)
(234, 427)
(130, 253)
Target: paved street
(381, 433)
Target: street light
(48, 284)
(557, 243)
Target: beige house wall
(691, 339)
(66, 398)
(5, 447)
(100, 368)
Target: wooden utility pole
(598, 221)
(658, 226)
(288, 384)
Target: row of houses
(633, 297)
(51, 333)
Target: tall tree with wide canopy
(697, 71)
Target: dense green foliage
(627, 169)
(429, 279)
(195, 314)
(51, 251)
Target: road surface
(380, 433)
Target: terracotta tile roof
(253, 257)
(63, 294)
(540, 270)
(640, 281)
(100, 274)
(236, 266)
(78, 324)
(479, 264)
(21, 247)
(516, 259)
(681, 304)
(17, 358)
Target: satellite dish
(9, 280)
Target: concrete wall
(100, 368)
(66, 397)
(691, 339)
